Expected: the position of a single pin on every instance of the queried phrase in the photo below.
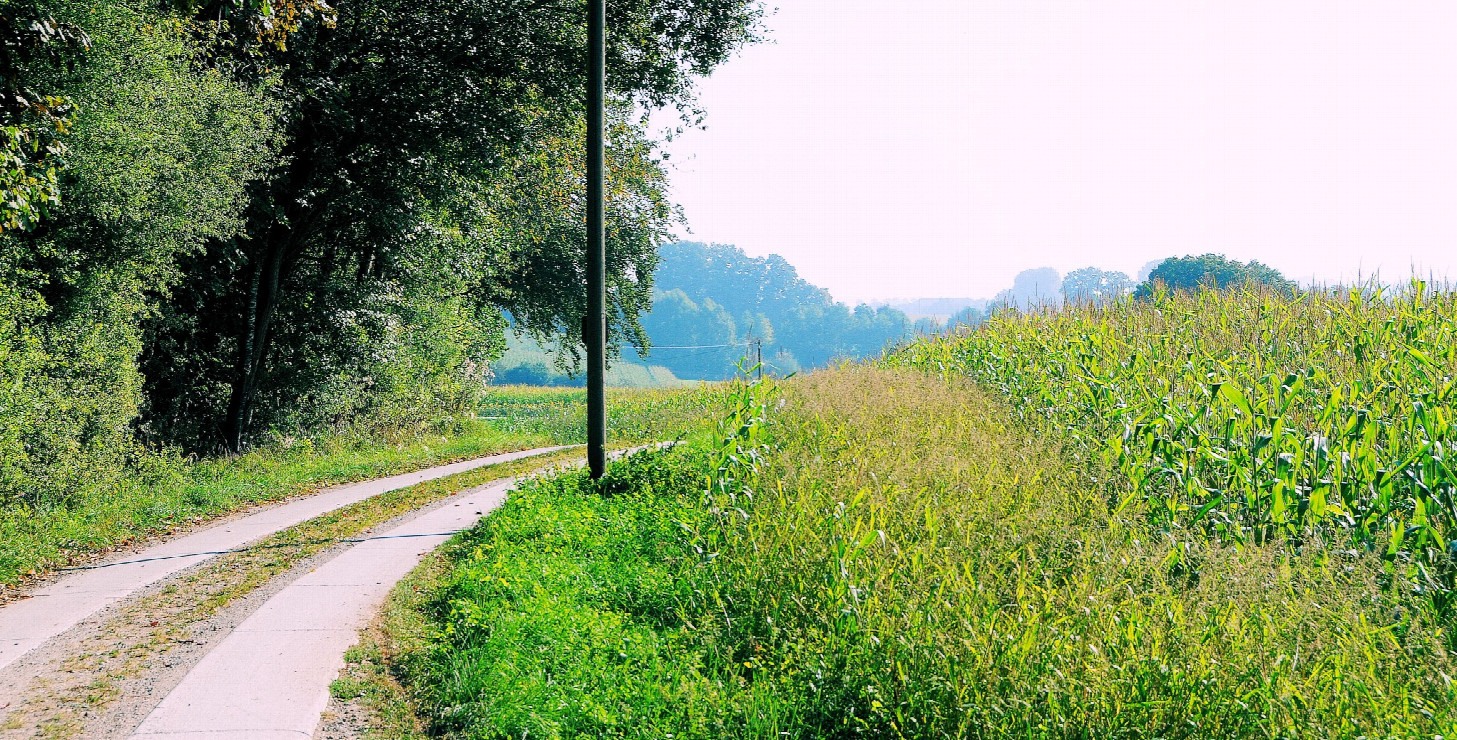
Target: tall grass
(882, 553)
(1249, 416)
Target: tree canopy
(1212, 271)
(224, 217)
(427, 147)
(1095, 286)
(715, 294)
(153, 162)
(1032, 289)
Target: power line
(698, 346)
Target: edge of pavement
(270, 676)
(78, 593)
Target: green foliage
(432, 153)
(1213, 271)
(154, 167)
(560, 621)
(711, 295)
(32, 124)
(1251, 417)
(887, 554)
(230, 221)
(1092, 285)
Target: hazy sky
(938, 147)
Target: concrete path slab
(24, 625)
(270, 677)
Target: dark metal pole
(595, 334)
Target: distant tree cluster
(1091, 285)
(1212, 271)
(714, 294)
(1032, 289)
(1043, 287)
(710, 300)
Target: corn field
(1246, 415)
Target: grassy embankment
(1182, 525)
(161, 493)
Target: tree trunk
(253, 344)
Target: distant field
(1211, 516)
(634, 415)
(528, 363)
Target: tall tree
(1212, 271)
(1032, 289)
(154, 162)
(1095, 286)
(406, 123)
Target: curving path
(270, 677)
(48, 612)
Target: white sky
(938, 147)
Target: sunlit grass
(163, 492)
(887, 554)
(634, 415)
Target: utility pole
(594, 330)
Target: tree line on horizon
(711, 300)
(1046, 287)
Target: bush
(156, 163)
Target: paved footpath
(269, 679)
(27, 624)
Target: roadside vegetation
(227, 226)
(993, 535)
(164, 492)
(157, 492)
(634, 415)
(143, 633)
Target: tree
(1213, 271)
(1095, 286)
(800, 323)
(1032, 289)
(33, 124)
(422, 139)
(155, 158)
(967, 318)
(695, 334)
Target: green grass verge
(904, 560)
(200, 593)
(633, 415)
(162, 493)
